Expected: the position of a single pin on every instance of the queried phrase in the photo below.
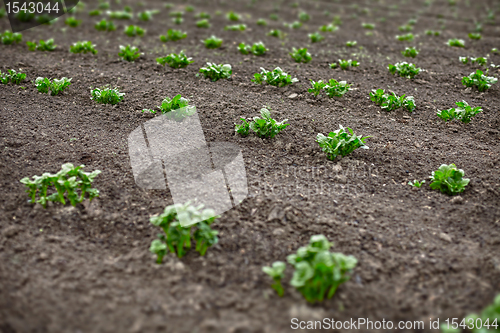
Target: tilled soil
(422, 254)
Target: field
(421, 253)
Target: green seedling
(456, 42)
(276, 273)
(189, 9)
(12, 76)
(410, 52)
(133, 31)
(486, 322)
(404, 69)
(202, 15)
(449, 180)
(47, 45)
(66, 183)
(392, 102)
(72, 22)
(464, 112)
(105, 25)
(178, 222)
(351, 43)
(175, 60)
(319, 272)
(129, 53)
(24, 15)
(316, 87)
(232, 16)
(8, 37)
(119, 15)
(478, 61)
(276, 33)
(104, 5)
(216, 72)
(475, 36)
(294, 25)
(405, 28)
(304, 17)
(369, 26)
(266, 127)
(242, 129)
(173, 36)
(300, 55)
(345, 64)
(340, 142)
(45, 19)
(464, 60)
(432, 33)
(203, 23)
(212, 42)
(177, 20)
(416, 183)
(315, 37)
(106, 95)
(478, 79)
(495, 50)
(178, 14)
(170, 104)
(236, 27)
(328, 28)
(56, 86)
(146, 15)
(257, 49)
(83, 47)
(277, 77)
(95, 12)
(336, 89)
(273, 17)
(261, 22)
(405, 38)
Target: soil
(421, 253)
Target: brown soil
(421, 253)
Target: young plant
(407, 37)
(300, 55)
(119, 15)
(95, 12)
(410, 52)
(146, 15)
(232, 16)
(83, 47)
(276, 33)
(203, 23)
(404, 69)
(202, 15)
(129, 53)
(273, 17)
(304, 17)
(345, 64)
(236, 27)
(8, 37)
(56, 86)
(464, 112)
(481, 61)
(67, 183)
(276, 273)
(478, 79)
(340, 142)
(261, 22)
(243, 129)
(106, 95)
(133, 31)
(178, 222)
(105, 25)
(328, 28)
(416, 183)
(216, 72)
(432, 33)
(369, 26)
(173, 36)
(257, 49)
(12, 76)
(315, 37)
(351, 43)
(316, 87)
(475, 36)
(405, 28)
(319, 272)
(170, 104)
(391, 102)
(449, 180)
(72, 22)
(47, 45)
(456, 42)
(175, 60)
(267, 127)
(336, 89)
(177, 20)
(212, 42)
(277, 77)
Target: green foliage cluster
(265, 127)
(170, 104)
(216, 72)
(72, 22)
(106, 95)
(180, 224)
(391, 101)
(119, 15)
(475, 36)
(464, 112)
(261, 22)
(478, 79)
(416, 183)
(276, 77)
(9, 37)
(300, 55)
(129, 53)
(45, 45)
(12, 76)
(67, 183)
(404, 69)
(173, 36)
(340, 142)
(351, 43)
(175, 60)
(336, 88)
(276, 33)
(456, 42)
(212, 42)
(410, 52)
(328, 28)
(369, 26)
(481, 61)
(232, 16)
(104, 25)
(449, 180)
(345, 64)
(203, 23)
(432, 33)
(236, 27)
(55, 86)
(257, 49)
(405, 38)
(315, 37)
(134, 30)
(83, 47)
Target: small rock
(445, 237)
(11, 231)
(43, 256)
(178, 266)
(340, 178)
(417, 145)
(278, 232)
(292, 96)
(457, 200)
